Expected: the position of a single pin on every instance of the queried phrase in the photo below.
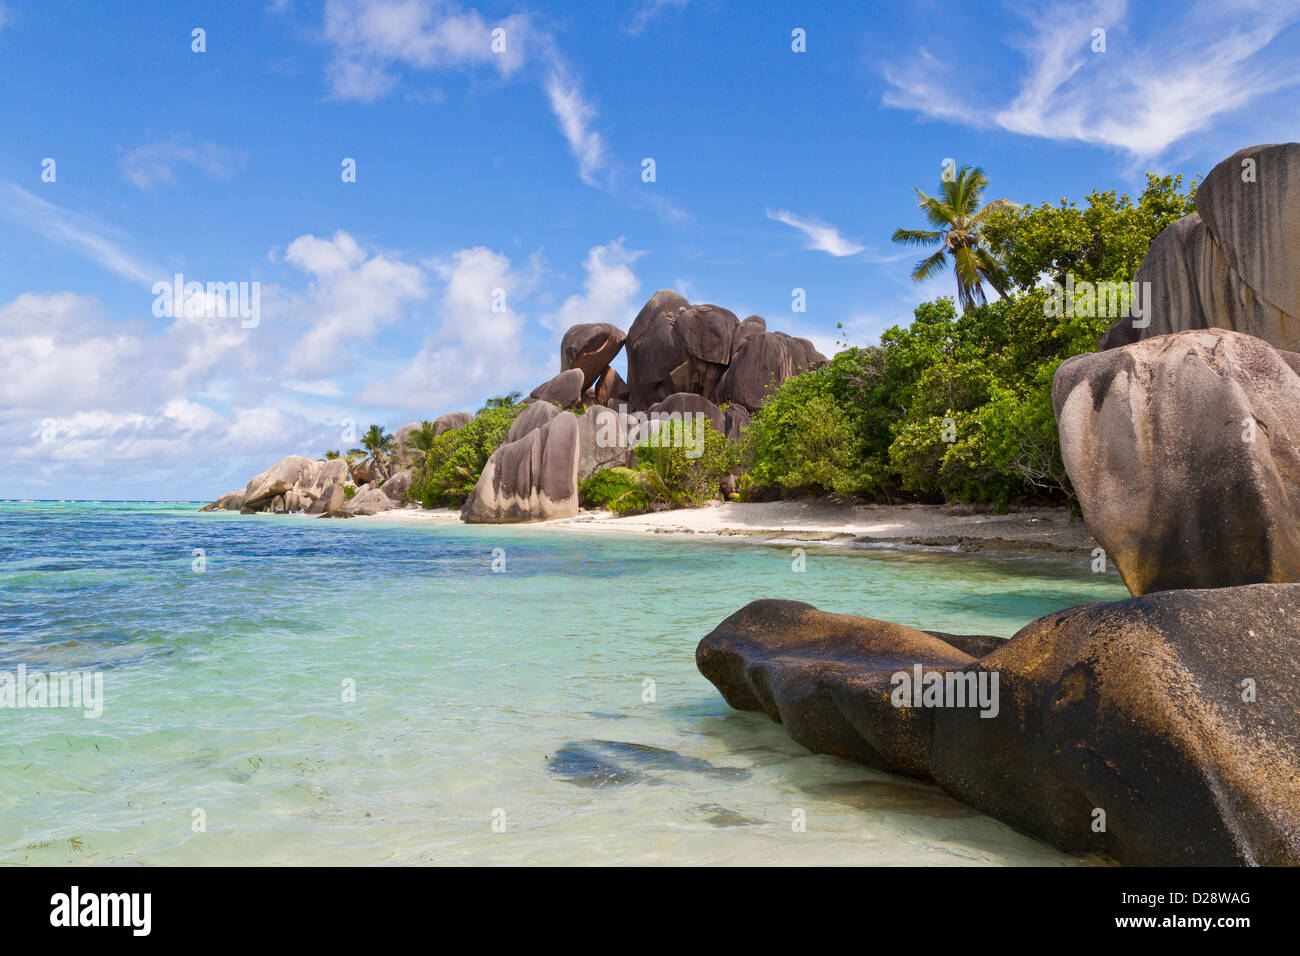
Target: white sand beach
(941, 526)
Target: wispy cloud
(74, 231)
(575, 115)
(157, 163)
(1153, 86)
(374, 40)
(649, 10)
(821, 236)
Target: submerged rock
(606, 763)
(1160, 730)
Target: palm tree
(331, 455)
(421, 441)
(957, 221)
(501, 401)
(376, 441)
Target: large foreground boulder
(1184, 451)
(1235, 262)
(532, 479)
(590, 347)
(1159, 730)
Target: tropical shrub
(456, 458)
(671, 476)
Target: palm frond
(930, 266)
(917, 237)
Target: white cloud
(820, 236)
(350, 297)
(477, 349)
(373, 38)
(157, 163)
(74, 231)
(609, 291)
(77, 388)
(1154, 86)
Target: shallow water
(498, 717)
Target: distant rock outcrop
(1184, 451)
(737, 418)
(1144, 710)
(565, 390)
(369, 501)
(533, 417)
(687, 404)
(291, 484)
(590, 347)
(534, 478)
(1234, 263)
(610, 389)
(760, 363)
(674, 346)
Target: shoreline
(939, 527)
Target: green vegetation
(455, 459)
(958, 408)
(618, 489)
(669, 473)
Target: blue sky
(519, 170)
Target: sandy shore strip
(951, 527)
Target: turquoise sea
(495, 716)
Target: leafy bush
(456, 458)
(621, 490)
(606, 485)
(671, 476)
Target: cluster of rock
(336, 487)
(1159, 730)
(682, 360)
